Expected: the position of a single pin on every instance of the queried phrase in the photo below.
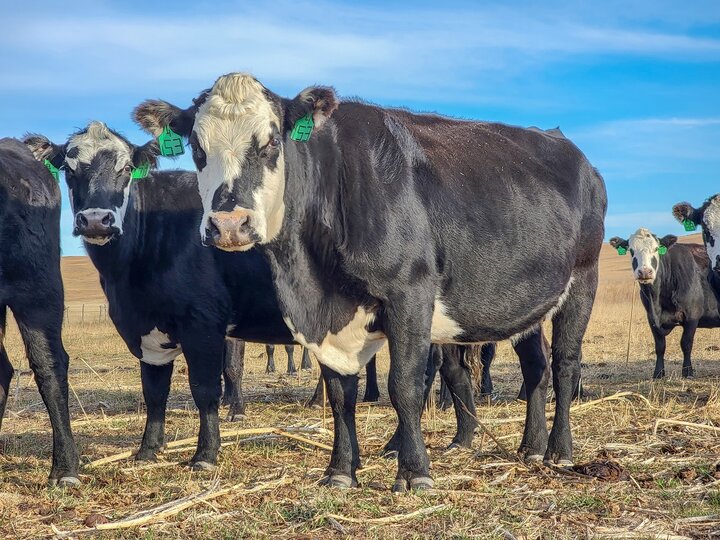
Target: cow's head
(98, 165)
(708, 217)
(645, 249)
(238, 131)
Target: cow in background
(674, 290)
(31, 287)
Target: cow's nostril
(212, 230)
(81, 221)
(107, 219)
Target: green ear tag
(53, 169)
(621, 250)
(171, 144)
(302, 129)
(662, 250)
(689, 225)
(138, 173)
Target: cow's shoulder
(25, 179)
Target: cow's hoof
(659, 374)
(688, 373)
(562, 463)
(458, 445)
(146, 455)
(340, 481)
(419, 483)
(201, 466)
(64, 482)
(388, 454)
(534, 458)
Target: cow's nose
(645, 273)
(94, 222)
(230, 229)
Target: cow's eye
(274, 142)
(127, 168)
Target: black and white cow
(385, 224)
(167, 293)
(673, 289)
(708, 217)
(31, 286)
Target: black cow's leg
(445, 400)
(233, 367)
(569, 325)
(659, 337)
(535, 381)
(204, 360)
(318, 397)
(290, 350)
(6, 369)
(372, 392)
(408, 332)
(305, 363)
(457, 379)
(156, 387)
(270, 351)
(49, 363)
(686, 344)
(487, 355)
(345, 458)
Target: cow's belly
(349, 350)
(158, 349)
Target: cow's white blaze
(153, 351)
(711, 223)
(349, 350)
(97, 138)
(235, 112)
(444, 329)
(644, 248)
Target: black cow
(380, 223)
(673, 289)
(708, 217)
(166, 292)
(31, 286)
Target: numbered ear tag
(662, 250)
(302, 129)
(171, 144)
(53, 169)
(689, 225)
(621, 250)
(138, 173)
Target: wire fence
(86, 314)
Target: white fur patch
(235, 111)
(561, 300)
(348, 351)
(444, 329)
(644, 247)
(711, 221)
(97, 138)
(153, 352)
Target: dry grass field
(661, 434)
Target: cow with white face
(381, 224)
(673, 289)
(708, 217)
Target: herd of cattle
(339, 226)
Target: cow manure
(605, 470)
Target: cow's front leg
(659, 337)
(156, 387)
(345, 459)
(408, 332)
(686, 344)
(305, 362)
(290, 350)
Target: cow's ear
(668, 240)
(618, 242)
(684, 211)
(319, 101)
(147, 153)
(42, 148)
(155, 115)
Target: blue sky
(635, 84)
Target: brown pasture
(661, 434)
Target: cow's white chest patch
(444, 329)
(158, 349)
(348, 351)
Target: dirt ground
(661, 435)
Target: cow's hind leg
(6, 369)
(535, 381)
(487, 355)
(156, 387)
(686, 344)
(457, 380)
(372, 392)
(270, 351)
(233, 367)
(345, 458)
(290, 350)
(305, 362)
(569, 325)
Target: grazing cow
(708, 217)
(673, 289)
(167, 293)
(384, 224)
(31, 286)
